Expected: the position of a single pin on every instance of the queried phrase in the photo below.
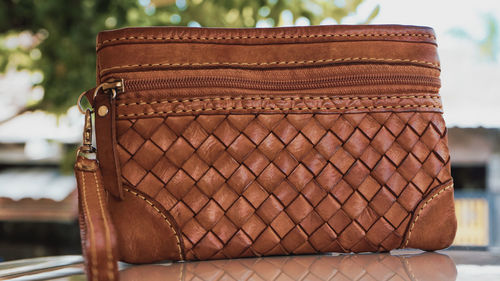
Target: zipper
(121, 85)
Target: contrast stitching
(279, 109)
(108, 237)
(93, 255)
(269, 37)
(435, 65)
(279, 99)
(421, 209)
(164, 217)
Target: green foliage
(63, 32)
(490, 45)
(68, 159)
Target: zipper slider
(113, 86)
(117, 85)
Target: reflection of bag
(224, 143)
(377, 267)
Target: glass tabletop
(397, 265)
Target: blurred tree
(57, 37)
(489, 44)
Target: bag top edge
(214, 35)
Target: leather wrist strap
(96, 228)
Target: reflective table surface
(398, 265)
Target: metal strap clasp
(112, 87)
(87, 147)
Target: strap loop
(96, 228)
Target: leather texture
(96, 227)
(252, 185)
(230, 143)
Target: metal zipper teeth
(239, 83)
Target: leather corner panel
(434, 223)
(145, 231)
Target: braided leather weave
(268, 184)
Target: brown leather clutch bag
(223, 143)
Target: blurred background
(47, 58)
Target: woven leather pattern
(266, 184)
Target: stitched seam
(108, 238)
(94, 269)
(279, 99)
(164, 217)
(420, 211)
(279, 109)
(435, 65)
(270, 37)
